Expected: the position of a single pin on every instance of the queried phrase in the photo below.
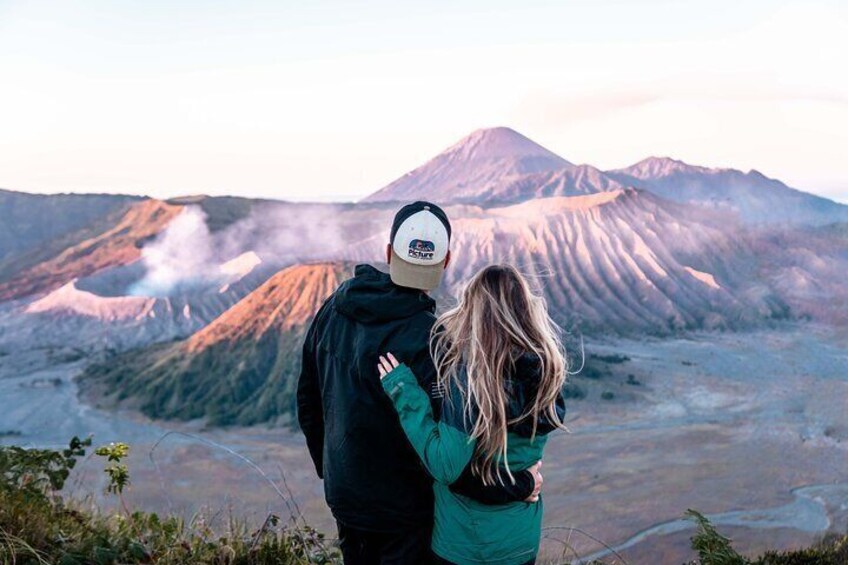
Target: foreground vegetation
(715, 549)
(39, 526)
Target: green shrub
(38, 473)
(712, 547)
(38, 526)
(715, 549)
(591, 371)
(119, 474)
(831, 550)
(573, 391)
(614, 358)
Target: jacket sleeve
(444, 449)
(470, 485)
(421, 365)
(310, 412)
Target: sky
(331, 100)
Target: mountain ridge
(30, 220)
(756, 198)
(498, 166)
(623, 261)
(240, 369)
(476, 164)
(116, 244)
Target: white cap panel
(421, 239)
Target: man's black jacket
(373, 479)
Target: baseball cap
(420, 240)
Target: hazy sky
(332, 100)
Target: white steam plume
(182, 254)
(187, 254)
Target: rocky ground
(750, 429)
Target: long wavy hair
(497, 319)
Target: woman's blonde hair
(497, 319)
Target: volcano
(240, 369)
(658, 248)
(476, 168)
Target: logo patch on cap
(421, 239)
(422, 249)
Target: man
(374, 483)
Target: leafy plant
(614, 358)
(39, 472)
(712, 547)
(119, 474)
(38, 526)
(831, 550)
(573, 391)
(715, 549)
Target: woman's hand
(387, 365)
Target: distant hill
(623, 261)
(240, 369)
(619, 261)
(498, 166)
(236, 280)
(32, 219)
(114, 241)
(756, 198)
(575, 180)
(474, 169)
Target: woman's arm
(444, 449)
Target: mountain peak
(656, 167)
(499, 143)
(286, 300)
(478, 164)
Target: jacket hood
(522, 386)
(370, 297)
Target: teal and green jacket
(467, 532)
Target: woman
(501, 365)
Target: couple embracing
(429, 432)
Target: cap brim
(422, 277)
